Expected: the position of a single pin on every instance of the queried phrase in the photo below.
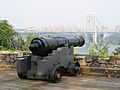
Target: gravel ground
(10, 81)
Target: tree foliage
(28, 40)
(100, 49)
(22, 44)
(7, 35)
(11, 40)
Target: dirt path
(10, 81)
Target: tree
(10, 39)
(20, 43)
(100, 49)
(29, 38)
(7, 35)
(23, 44)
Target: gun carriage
(51, 57)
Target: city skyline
(37, 13)
(66, 29)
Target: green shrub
(117, 51)
(100, 49)
(1, 47)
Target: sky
(37, 13)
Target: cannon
(51, 57)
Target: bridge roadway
(10, 81)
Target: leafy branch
(100, 49)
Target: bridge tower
(91, 25)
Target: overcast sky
(27, 13)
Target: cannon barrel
(44, 45)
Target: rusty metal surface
(10, 81)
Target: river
(85, 49)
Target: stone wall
(11, 57)
(94, 61)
